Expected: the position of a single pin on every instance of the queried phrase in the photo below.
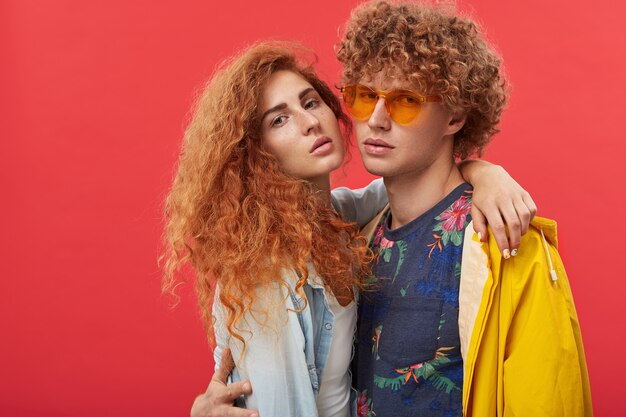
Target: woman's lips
(322, 146)
(376, 147)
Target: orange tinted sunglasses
(402, 105)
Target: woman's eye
(312, 103)
(279, 121)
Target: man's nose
(379, 119)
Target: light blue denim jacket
(285, 362)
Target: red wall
(93, 101)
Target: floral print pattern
(451, 224)
(419, 265)
(364, 405)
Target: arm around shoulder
(360, 205)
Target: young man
(451, 327)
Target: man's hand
(218, 399)
(498, 200)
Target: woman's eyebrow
(277, 107)
(282, 106)
(305, 92)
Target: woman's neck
(321, 186)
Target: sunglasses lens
(360, 101)
(404, 106)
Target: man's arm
(219, 397)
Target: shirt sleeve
(222, 339)
(273, 359)
(360, 205)
(219, 328)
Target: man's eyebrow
(282, 106)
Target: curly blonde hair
(440, 54)
(234, 215)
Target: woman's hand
(498, 200)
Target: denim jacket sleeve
(360, 205)
(222, 341)
(274, 358)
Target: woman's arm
(360, 205)
(273, 360)
(220, 396)
(498, 200)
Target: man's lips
(319, 142)
(377, 142)
(376, 146)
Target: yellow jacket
(520, 337)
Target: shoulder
(362, 204)
(540, 240)
(537, 257)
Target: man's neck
(412, 194)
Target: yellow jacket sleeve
(525, 357)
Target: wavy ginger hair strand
(234, 215)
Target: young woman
(251, 210)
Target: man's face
(390, 149)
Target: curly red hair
(234, 215)
(439, 52)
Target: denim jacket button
(328, 326)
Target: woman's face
(299, 128)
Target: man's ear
(456, 123)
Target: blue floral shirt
(408, 360)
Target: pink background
(94, 99)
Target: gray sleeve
(360, 205)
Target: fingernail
(246, 387)
(254, 415)
(514, 252)
(480, 237)
(506, 254)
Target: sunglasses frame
(388, 106)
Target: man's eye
(407, 101)
(368, 96)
